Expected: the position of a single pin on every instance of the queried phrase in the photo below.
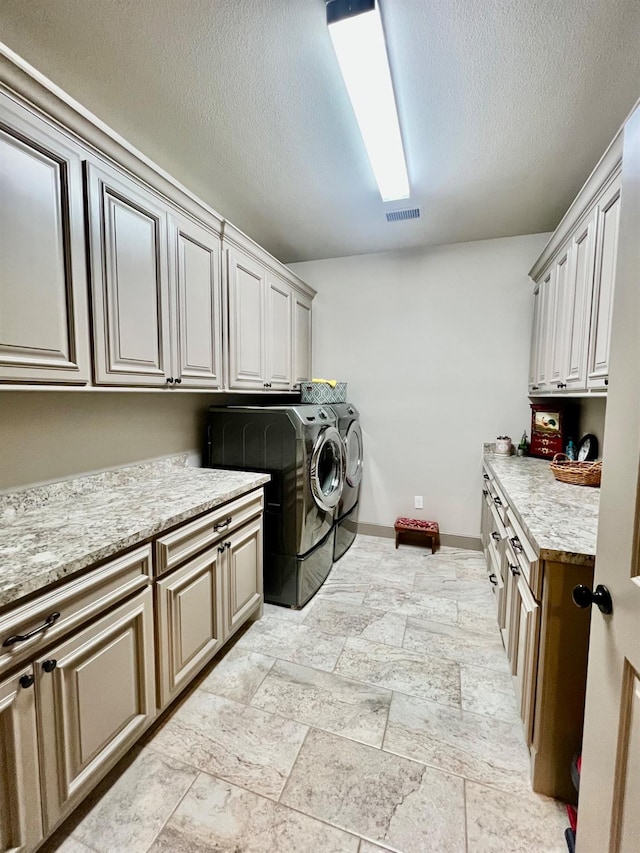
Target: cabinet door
(242, 574)
(526, 639)
(129, 280)
(44, 334)
(247, 321)
(546, 289)
(195, 274)
(189, 608)
(557, 335)
(604, 281)
(20, 806)
(279, 333)
(301, 339)
(579, 291)
(96, 694)
(535, 338)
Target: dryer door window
(327, 469)
(353, 448)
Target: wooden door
(279, 333)
(301, 339)
(247, 321)
(557, 318)
(129, 280)
(20, 806)
(242, 574)
(579, 293)
(190, 624)
(44, 334)
(96, 695)
(603, 287)
(195, 273)
(609, 819)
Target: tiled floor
(380, 717)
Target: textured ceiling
(505, 107)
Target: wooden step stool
(418, 528)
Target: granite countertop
(49, 532)
(560, 519)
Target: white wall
(435, 347)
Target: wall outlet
(418, 503)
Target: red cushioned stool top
(416, 524)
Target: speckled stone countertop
(49, 532)
(560, 519)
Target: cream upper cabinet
(44, 335)
(130, 288)
(608, 218)
(540, 348)
(195, 273)
(535, 338)
(578, 305)
(279, 336)
(557, 319)
(247, 297)
(96, 694)
(20, 807)
(301, 339)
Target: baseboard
(468, 543)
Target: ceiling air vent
(401, 215)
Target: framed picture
(547, 422)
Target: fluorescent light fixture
(356, 31)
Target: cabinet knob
(514, 570)
(497, 501)
(535, 387)
(485, 476)
(493, 579)
(169, 380)
(227, 545)
(26, 680)
(221, 549)
(584, 597)
(495, 536)
(606, 381)
(267, 385)
(49, 665)
(178, 380)
(516, 544)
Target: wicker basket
(576, 473)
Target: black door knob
(26, 680)
(49, 665)
(584, 597)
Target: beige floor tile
(368, 847)
(403, 599)
(478, 618)
(458, 644)
(350, 620)
(400, 669)
(295, 643)
(244, 745)
(237, 674)
(69, 845)
(134, 809)
(500, 822)
(216, 816)
(288, 613)
(487, 692)
(325, 700)
(481, 748)
(476, 592)
(385, 798)
(349, 590)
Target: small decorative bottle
(571, 450)
(522, 447)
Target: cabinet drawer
(75, 602)
(189, 539)
(526, 556)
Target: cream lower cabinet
(96, 695)
(190, 623)
(20, 805)
(69, 715)
(242, 575)
(210, 583)
(546, 639)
